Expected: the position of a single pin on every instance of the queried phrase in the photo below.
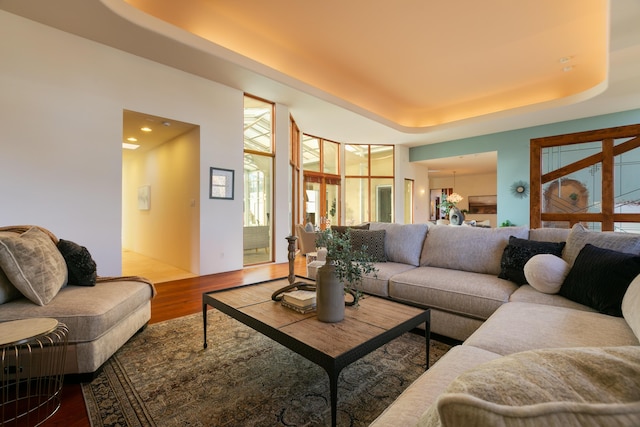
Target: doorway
(160, 196)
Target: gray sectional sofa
(37, 280)
(528, 355)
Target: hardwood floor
(174, 299)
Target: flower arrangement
(449, 202)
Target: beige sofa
(102, 313)
(527, 357)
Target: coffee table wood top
(373, 317)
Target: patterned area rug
(164, 377)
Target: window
(321, 162)
(369, 178)
(587, 177)
(258, 181)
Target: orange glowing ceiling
(415, 64)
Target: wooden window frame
(607, 217)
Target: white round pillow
(546, 273)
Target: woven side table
(32, 359)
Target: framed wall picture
(144, 198)
(221, 184)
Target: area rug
(164, 377)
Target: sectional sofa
(548, 322)
(43, 276)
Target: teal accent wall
(513, 155)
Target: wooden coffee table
(330, 345)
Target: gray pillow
(33, 264)
(402, 242)
(580, 236)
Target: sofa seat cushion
(521, 326)
(461, 292)
(422, 393)
(559, 387)
(472, 249)
(378, 283)
(526, 293)
(88, 312)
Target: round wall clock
(520, 189)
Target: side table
(32, 359)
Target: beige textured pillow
(33, 264)
(631, 306)
(8, 292)
(585, 386)
(546, 273)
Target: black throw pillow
(371, 240)
(519, 251)
(600, 277)
(81, 267)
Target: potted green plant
(342, 272)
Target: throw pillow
(80, 264)
(550, 387)
(580, 236)
(546, 273)
(341, 229)
(34, 265)
(600, 277)
(630, 304)
(369, 241)
(519, 251)
(8, 292)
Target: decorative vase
(456, 216)
(329, 294)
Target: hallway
(135, 264)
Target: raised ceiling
(413, 72)
(417, 63)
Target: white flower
(454, 198)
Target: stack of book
(300, 301)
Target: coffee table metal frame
(332, 365)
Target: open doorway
(160, 197)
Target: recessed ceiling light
(568, 68)
(132, 139)
(145, 129)
(129, 146)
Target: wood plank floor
(174, 299)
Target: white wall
(61, 133)
(419, 174)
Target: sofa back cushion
(403, 242)
(580, 236)
(584, 386)
(549, 234)
(631, 306)
(474, 249)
